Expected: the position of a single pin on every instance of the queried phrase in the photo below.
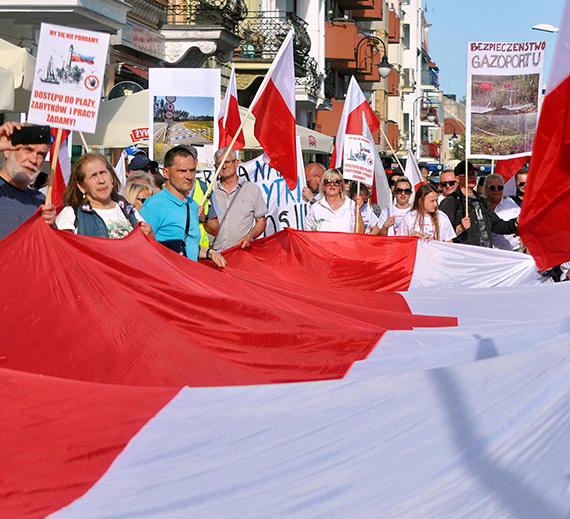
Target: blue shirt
(16, 206)
(166, 214)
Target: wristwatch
(205, 220)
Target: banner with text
(69, 75)
(285, 208)
(503, 97)
(358, 158)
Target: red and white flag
(274, 111)
(229, 120)
(545, 217)
(381, 193)
(413, 172)
(63, 167)
(355, 105)
(508, 168)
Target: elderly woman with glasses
(334, 211)
(505, 208)
(391, 218)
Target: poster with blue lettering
(70, 68)
(285, 207)
(503, 97)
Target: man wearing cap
(173, 214)
(22, 164)
(242, 208)
(140, 162)
(477, 227)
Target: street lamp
(431, 116)
(454, 138)
(384, 68)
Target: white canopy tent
(119, 117)
(17, 67)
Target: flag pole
(53, 166)
(84, 142)
(356, 207)
(466, 187)
(392, 150)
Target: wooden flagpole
(466, 188)
(84, 142)
(53, 166)
(392, 150)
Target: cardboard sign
(504, 82)
(69, 75)
(358, 159)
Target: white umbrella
(16, 77)
(120, 117)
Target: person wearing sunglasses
(334, 211)
(505, 208)
(390, 219)
(447, 184)
(136, 194)
(520, 183)
(476, 227)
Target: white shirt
(412, 222)
(117, 224)
(369, 218)
(397, 213)
(321, 217)
(507, 210)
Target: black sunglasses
(141, 200)
(521, 184)
(329, 182)
(399, 191)
(496, 188)
(451, 183)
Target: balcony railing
(263, 32)
(429, 77)
(313, 79)
(220, 13)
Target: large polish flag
(338, 375)
(274, 111)
(229, 120)
(355, 105)
(545, 216)
(63, 166)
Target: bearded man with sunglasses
(477, 227)
(520, 183)
(505, 208)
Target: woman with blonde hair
(334, 211)
(93, 206)
(424, 220)
(136, 194)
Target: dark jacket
(89, 223)
(454, 207)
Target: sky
(456, 22)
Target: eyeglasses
(521, 184)
(451, 183)
(329, 182)
(496, 188)
(399, 191)
(141, 200)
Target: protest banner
(69, 75)
(358, 159)
(503, 97)
(183, 104)
(285, 207)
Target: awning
(124, 121)
(141, 72)
(16, 77)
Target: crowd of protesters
(177, 210)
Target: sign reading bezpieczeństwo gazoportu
(69, 75)
(503, 97)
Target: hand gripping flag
(545, 216)
(228, 119)
(355, 105)
(274, 111)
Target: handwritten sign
(69, 74)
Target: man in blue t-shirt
(22, 164)
(172, 213)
